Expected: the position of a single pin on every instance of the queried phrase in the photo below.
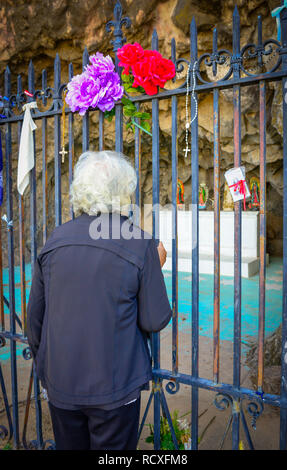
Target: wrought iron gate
(237, 75)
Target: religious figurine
(255, 193)
(180, 192)
(203, 196)
(228, 204)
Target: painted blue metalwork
(44, 159)
(71, 139)
(195, 249)
(283, 398)
(237, 226)
(86, 137)
(216, 294)
(174, 224)
(236, 64)
(57, 139)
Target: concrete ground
(212, 422)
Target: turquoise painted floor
(250, 302)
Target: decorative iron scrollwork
(117, 24)
(172, 387)
(254, 408)
(3, 432)
(222, 401)
(27, 354)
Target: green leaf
(128, 111)
(110, 114)
(127, 78)
(145, 116)
(138, 114)
(129, 125)
(126, 101)
(145, 125)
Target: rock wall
(39, 29)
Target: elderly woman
(97, 292)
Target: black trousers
(96, 429)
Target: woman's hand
(162, 253)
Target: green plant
(181, 430)
(130, 110)
(7, 446)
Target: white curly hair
(103, 182)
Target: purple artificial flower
(97, 87)
(100, 64)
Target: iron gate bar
(57, 140)
(283, 411)
(2, 317)
(137, 216)
(44, 162)
(195, 247)
(10, 240)
(237, 229)
(21, 234)
(244, 81)
(155, 233)
(7, 409)
(216, 183)
(174, 177)
(222, 388)
(262, 228)
(71, 141)
(86, 133)
(33, 234)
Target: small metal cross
(63, 153)
(186, 150)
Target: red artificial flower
(129, 55)
(152, 71)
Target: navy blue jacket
(92, 302)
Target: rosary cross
(63, 153)
(186, 150)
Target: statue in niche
(228, 204)
(254, 203)
(180, 193)
(203, 196)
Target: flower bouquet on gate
(99, 86)
(144, 72)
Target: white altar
(250, 241)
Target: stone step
(249, 266)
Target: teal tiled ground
(250, 302)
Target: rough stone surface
(272, 362)
(37, 30)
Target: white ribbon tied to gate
(26, 159)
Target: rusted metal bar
(44, 163)
(10, 239)
(195, 247)
(137, 215)
(262, 243)
(216, 298)
(283, 391)
(71, 140)
(2, 317)
(237, 229)
(22, 235)
(174, 171)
